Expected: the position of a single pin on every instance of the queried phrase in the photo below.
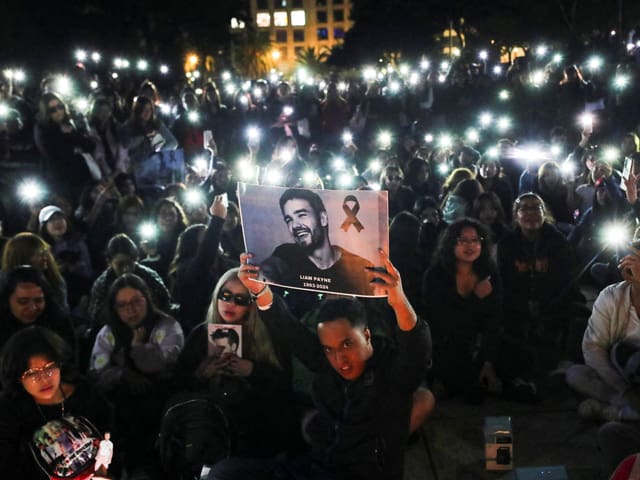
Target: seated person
(122, 257)
(363, 387)
(255, 386)
(39, 384)
(611, 351)
(132, 360)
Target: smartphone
(207, 136)
(225, 199)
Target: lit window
(298, 18)
(263, 19)
(323, 34)
(237, 24)
(280, 19)
(298, 35)
(338, 15)
(281, 36)
(338, 33)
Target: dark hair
(122, 177)
(348, 308)
(24, 344)
(187, 246)
(303, 194)
(138, 105)
(426, 202)
(44, 233)
(493, 199)
(445, 252)
(122, 332)
(403, 235)
(182, 217)
(229, 333)
(121, 244)
(43, 108)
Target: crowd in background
(501, 186)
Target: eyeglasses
(55, 108)
(35, 375)
(136, 303)
(394, 178)
(469, 241)
(238, 299)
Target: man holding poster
(312, 261)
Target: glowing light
(541, 51)
(445, 141)
(199, 91)
(503, 124)
(31, 191)
(193, 59)
(274, 77)
(621, 81)
(442, 77)
(63, 85)
(472, 135)
(302, 75)
(486, 119)
(497, 70)
(347, 138)
(114, 75)
(345, 180)
(369, 73)
(287, 110)
(428, 138)
(257, 92)
(342, 86)
(309, 177)
(595, 63)
(81, 104)
(414, 78)
(537, 77)
(285, 155)
(504, 95)
(93, 84)
(196, 74)
(165, 108)
(246, 86)
(394, 86)
(384, 139)
(4, 110)
(193, 197)
(164, 69)
(226, 76)
(444, 65)
(586, 121)
(375, 166)
(96, 57)
(610, 154)
(201, 164)
(615, 235)
(19, 76)
(246, 169)
(81, 55)
(8, 73)
(230, 88)
(556, 150)
(375, 186)
(493, 152)
(339, 163)
(483, 55)
(425, 64)
(253, 134)
(557, 58)
(148, 231)
(404, 69)
(142, 65)
(443, 169)
(193, 117)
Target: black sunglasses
(56, 108)
(238, 299)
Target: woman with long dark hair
(462, 295)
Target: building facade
(295, 25)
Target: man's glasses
(55, 108)
(35, 375)
(469, 241)
(136, 303)
(238, 299)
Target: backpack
(66, 448)
(194, 431)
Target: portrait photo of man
(224, 339)
(311, 260)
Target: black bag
(194, 431)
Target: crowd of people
(122, 241)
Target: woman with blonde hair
(30, 249)
(255, 387)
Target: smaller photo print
(225, 338)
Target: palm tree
(312, 60)
(249, 56)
